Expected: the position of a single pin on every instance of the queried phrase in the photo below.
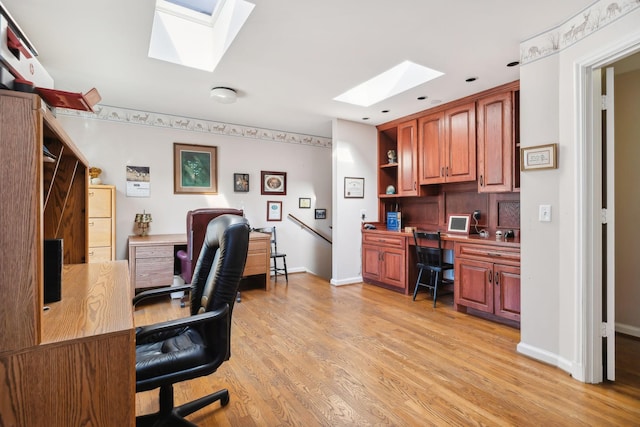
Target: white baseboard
(546, 357)
(634, 331)
(349, 281)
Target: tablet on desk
(459, 223)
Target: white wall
(113, 145)
(354, 155)
(552, 288)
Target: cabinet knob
(497, 278)
(490, 277)
(481, 181)
(442, 171)
(91, 224)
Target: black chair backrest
(217, 274)
(428, 255)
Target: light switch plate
(544, 213)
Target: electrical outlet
(476, 214)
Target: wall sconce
(142, 222)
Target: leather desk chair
(195, 346)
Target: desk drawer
(154, 272)
(383, 239)
(154, 252)
(488, 253)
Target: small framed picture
(539, 157)
(241, 182)
(273, 183)
(353, 188)
(304, 203)
(321, 214)
(274, 211)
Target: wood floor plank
(312, 354)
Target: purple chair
(197, 222)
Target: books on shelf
(394, 221)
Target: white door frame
(589, 246)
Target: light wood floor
(311, 354)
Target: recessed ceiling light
(513, 64)
(398, 79)
(471, 79)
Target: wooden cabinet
(447, 145)
(487, 278)
(57, 367)
(384, 260)
(408, 159)
(40, 200)
(496, 144)
(102, 223)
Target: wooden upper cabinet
(407, 159)
(460, 136)
(447, 143)
(431, 147)
(495, 143)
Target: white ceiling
(292, 57)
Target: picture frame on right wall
(321, 214)
(539, 157)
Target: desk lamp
(142, 222)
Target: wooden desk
(83, 372)
(486, 272)
(152, 258)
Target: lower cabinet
(487, 278)
(384, 260)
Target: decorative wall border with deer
(586, 22)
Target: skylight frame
(389, 83)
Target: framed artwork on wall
(304, 203)
(539, 157)
(321, 214)
(195, 169)
(241, 182)
(353, 188)
(273, 183)
(274, 211)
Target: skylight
(398, 79)
(196, 33)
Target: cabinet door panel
(461, 143)
(370, 262)
(99, 202)
(431, 148)
(393, 269)
(495, 145)
(507, 291)
(473, 284)
(407, 159)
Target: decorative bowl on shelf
(391, 189)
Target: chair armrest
(169, 325)
(153, 293)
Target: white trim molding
(588, 21)
(145, 118)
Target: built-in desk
(83, 371)
(152, 258)
(486, 269)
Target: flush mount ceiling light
(398, 79)
(224, 95)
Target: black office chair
(429, 259)
(195, 346)
(275, 255)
